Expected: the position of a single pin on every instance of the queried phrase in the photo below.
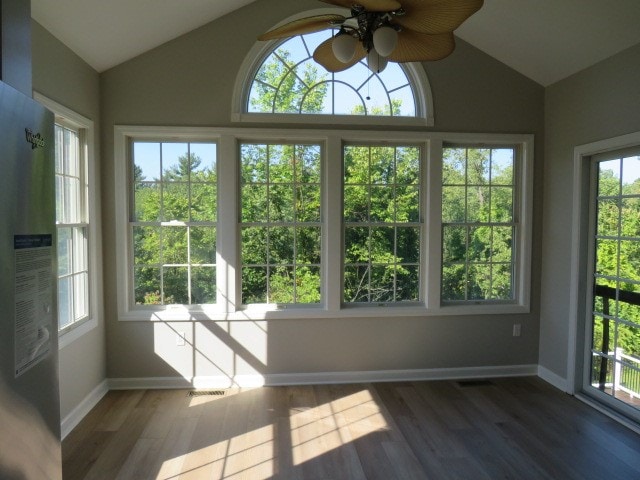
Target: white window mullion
(227, 252)
(332, 222)
(432, 227)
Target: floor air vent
(474, 383)
(206, 393)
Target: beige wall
(62, 76)
(598, 103)
(188, 82)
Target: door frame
(580, 289)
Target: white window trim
(228, 305)
(523, 213)
(252, 62)
(68, 117)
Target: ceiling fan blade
(369, 5)
(325, 57)
(436, 16)
(303, 25)
(421, 47)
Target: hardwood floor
(518, 428)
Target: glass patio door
(614, 344)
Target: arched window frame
(415, 73)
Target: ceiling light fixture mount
(383, 31)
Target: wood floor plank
(521, 429)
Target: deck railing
(625, 376)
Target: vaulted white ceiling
(546, 40)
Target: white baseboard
(74, 417)
(553, 378)
(323, 377)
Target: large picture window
(173, 226)
(250, 224)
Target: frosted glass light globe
(376, 62)
(385, 39)
(344, 47)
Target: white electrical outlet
(517, 329)
(180, 340)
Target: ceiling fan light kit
(382, 31)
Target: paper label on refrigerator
(33, 299)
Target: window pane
(174, 245)
(356, 204)
(356, 283)
(146, 161)
(408, 244)
(308, 203)
(454, 244)
(147, 202)
(254, 163)
(175, 285)
(407, 283)
(308, 241)
(356, 242)
(254, 285)
(80, 242)
(176, 162)
(81, 296)
(147, 286)
(203, 285)
(308, 285)
(146, 245)
(454, 204)
(281, 203)
(254, 203)
(382, 286)
(65, 251)
(204, 202)
(407, 203)
(254, 246)
(281, 245)
(281, 285)
(65, 302)
(203, 169)
(175, 201)
(203, 245)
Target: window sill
(75, 331)
(351, 311)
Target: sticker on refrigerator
(33, 299)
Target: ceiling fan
(383, 30)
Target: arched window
(280, 79)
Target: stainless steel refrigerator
(29, 397)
